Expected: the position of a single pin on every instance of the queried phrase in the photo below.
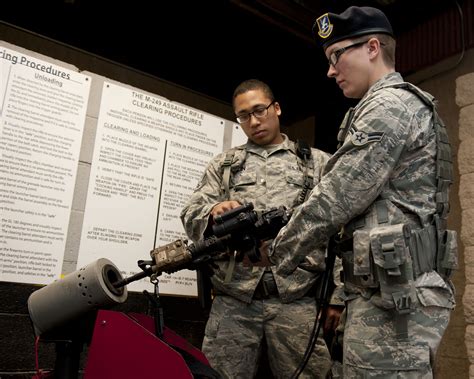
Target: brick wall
(465, 101)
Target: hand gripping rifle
(241, 229)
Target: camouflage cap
(353, 22)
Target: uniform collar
(392, 78)
(260, 150)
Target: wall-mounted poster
(42, 114)
(148, 156)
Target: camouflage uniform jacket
(388, 154)
(269, 177)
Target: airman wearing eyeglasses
(384, 199)
(248, 312)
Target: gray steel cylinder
(66, 299)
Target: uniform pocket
(432, 290)
(389, 355)
(295, 178)
(244, 180)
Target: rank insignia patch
(359, 138)
(324, 26)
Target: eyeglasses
(258, 113)
(334, 57)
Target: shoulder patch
(360, 138)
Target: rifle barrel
(133, 278)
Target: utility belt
(390, 257)
(427, 251)
(266, 288)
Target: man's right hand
(223, 207)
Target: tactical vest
(389, 249)
(303, 152)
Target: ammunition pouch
(381, 260)
(422, 244)
(358, 263)
(393, 267)
(433, 249)
(447, 251)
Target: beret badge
(324, 26)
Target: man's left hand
(333, 315)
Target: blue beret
(353, 22)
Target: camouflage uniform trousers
(372, 349)
(235, 331)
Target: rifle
(241, 229)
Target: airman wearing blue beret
(384, 194)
